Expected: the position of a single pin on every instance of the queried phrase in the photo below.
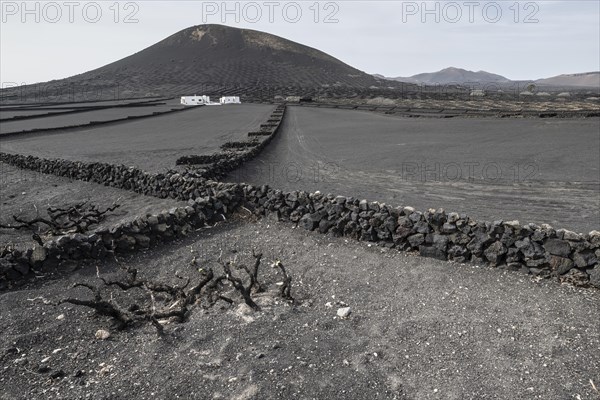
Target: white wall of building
(230, 100)
(205, 100)
(194, 100)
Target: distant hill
(452, 75)
(586, 79)
(461, 76)
(209, 56)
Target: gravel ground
(418, 329)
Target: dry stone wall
(140, 233)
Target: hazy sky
(518, 39)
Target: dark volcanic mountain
(202, 57)
(217, 54)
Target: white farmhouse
(230, 100)
(194, 100)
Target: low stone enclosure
(68, 110)
(538, 250)
(93, 123)
(233, 154)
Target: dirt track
(534, 170)
(419, 329)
